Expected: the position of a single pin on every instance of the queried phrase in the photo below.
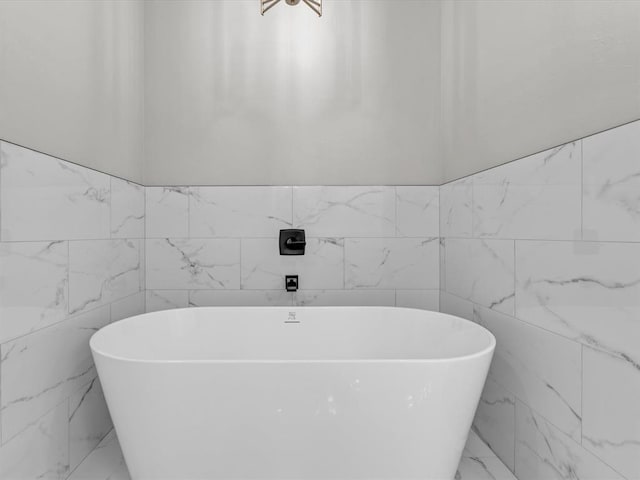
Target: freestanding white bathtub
(292, 393)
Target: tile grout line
(569, 437)
(69, 436)
(525, 322)
(294, 295)
(582, 394)
(1, 233)
(144, 244)
(581, 189)
(515, 282)
(69, 317)
(582, 347)
(529, 239)
(519, 399)
(515, 431)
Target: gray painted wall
(71, 79)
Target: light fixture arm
(315, 5)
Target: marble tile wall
(219, 246)
(545, 252)
(80, 249)
(71, 256)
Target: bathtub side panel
(293, 420)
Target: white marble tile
(456, 203)
(239, 211)
(43, 198)
(454, 305)
(89, 421)
(167, 212)
(102, 271)
(535, 197)
(589, 292)
(127, 209)
(482, 271)
(321, 267)
(611, 176)
(392, 263)
(490, 468)
(240, 298)
(541, 368)
(611, 406)
(106, 462)
(345, 211)
(422, 299)
(33, 286)
(495, 419)
(41, 369)
(475, 447)
(167, 299)
(418, 211)
(40, 451)
(544, 452)
(346, 298)
(128, 307)
(183, 264)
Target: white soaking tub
(292, 392)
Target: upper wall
(520, 77)
(236, 98)
(375, 92)
(71, 81)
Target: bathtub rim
(488, 350)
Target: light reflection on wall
(351, 97)
(289, 60)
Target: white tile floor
(106, 463)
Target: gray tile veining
(321, 267)
(41, 450)
(400, 263)
(127, 209)
(611, 193)
(44, 198)
(567, 352)
(345, 211)
(174, 264)
(456, 208)
(482, 271)
(495, 420)
(588, 292)
(539, 367)
(71, 254)
(535, 197)
(102, 271)
(417, 211)
(166, 212)
(239, 211)
(543, 451)
(34, 290)
(40, 370)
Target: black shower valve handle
(292, 241)
(295, 244)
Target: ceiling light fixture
(315, 5)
